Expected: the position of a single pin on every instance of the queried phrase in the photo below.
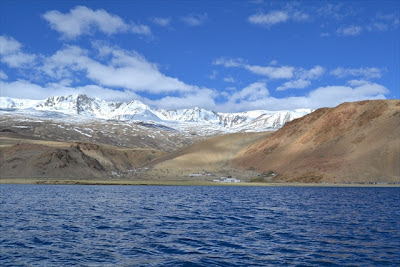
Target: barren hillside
(32, 158)
(354, 142)
(212, 155)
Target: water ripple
(198, 226)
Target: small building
(227, 180)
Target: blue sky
(220, 55)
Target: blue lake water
(62, 225)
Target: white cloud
(273, 72)
(164, 22)
(252, 97)
(229, 62)
(229, 79)
(378, 26)
(195, 19)
(384, 22)
(352, 30)
(296, 84)
(357, 82)
(303, 76)
(329, 96)
(204, 98)
(300, 16)
(28, 90)
(84, 21)
(11, 54)
(273, 62)
(367, 73)
(9, 45)
(140, 29)
(24, 89)
(284, 72)
(252, 92)
(278, 16)
(125, 69)
(336, 11)
(311, 74)
(3, 75)
(270, 18)
(213, 75)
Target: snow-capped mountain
(182, 119)
(189, 115)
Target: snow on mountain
(16, 103)
(134, 110)
(78, 104)
(183, 119)
(189, 115)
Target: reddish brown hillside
(354, 142)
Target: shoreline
(178, 183)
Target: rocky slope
(354, 142)
(32, 158)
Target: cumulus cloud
(252, 97)
(124, 69)
(28, 90)
(302, 78)
(25, 89)
(11, 54)
(84, 21)
(352, 30)
(367, 73)
(328, 96)
(296, 84)
(252, 92)
(195, 19)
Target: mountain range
(84, 107)
(355, 142)
(77, 137)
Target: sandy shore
(173, 183)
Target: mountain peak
(83, 105)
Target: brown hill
(29, 158)
(212, 155)
(354, 142)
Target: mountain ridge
(84, 106)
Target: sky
(226, 56)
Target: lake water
(62, 225)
